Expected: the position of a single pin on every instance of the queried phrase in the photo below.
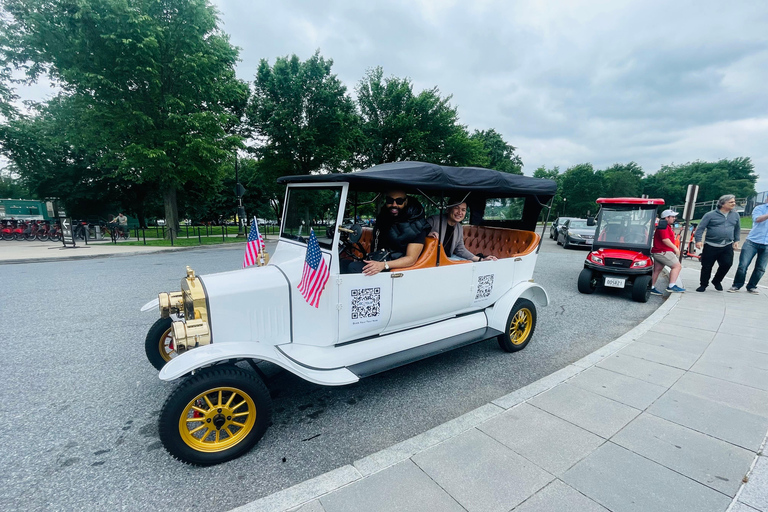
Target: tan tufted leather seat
(499, 242)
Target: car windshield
(626, 226)
(578, 224)
(311, 207)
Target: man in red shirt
(665, 253)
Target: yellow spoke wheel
(217, 419)
(214, 416)
(520, 326)
(165, 347)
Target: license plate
(615, 282)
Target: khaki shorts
(667, 258)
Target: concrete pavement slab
(559, 496)
(642, 369)
(717, 420)
(550, 442)
(743, 330)
(694, 346)
(538, 387)
(683, 332)
(746, 375)
(670, 357)
(707, 460)
(708, 322)
(733, 356)
(627, 390)
(405, 449)
(482, 474)
(740, 507)
(728, 393)
(623, 481)
(737, 324)
(755, 493)
(740, 341)
(313, 506)
(599, 415)
(403, 487)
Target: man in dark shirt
(723, 227)
(401, 229)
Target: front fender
(217, 352)
(499, 312)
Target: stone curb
(304, 492)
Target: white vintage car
(362, 325)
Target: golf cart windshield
(626, 226)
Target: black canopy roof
(426, 177)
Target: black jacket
(396, 236)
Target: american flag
(254, 246)
(315, 273)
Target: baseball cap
(667, 213)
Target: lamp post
(239, 191)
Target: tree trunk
(171, 211)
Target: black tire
(566, 245)
(158, 345)
(641, 289)
(587, 281)
(242, 396)
(557, 238)
(520, 326)
(7, 236)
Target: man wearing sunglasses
(401, 229)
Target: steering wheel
(349, 240)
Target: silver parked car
(556, 225)
(575, 232)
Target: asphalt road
(80, 402)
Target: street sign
(67, 233)
(690, 202)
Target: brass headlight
(170, 303)
(193, 297)
(190, 334)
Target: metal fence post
(199, 238)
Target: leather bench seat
(489, 241)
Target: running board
(382, 364)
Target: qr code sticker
(366, 303)
(484, 287)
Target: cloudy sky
(566, 82)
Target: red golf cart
(621, 250)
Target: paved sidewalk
(12, 252)
(672, 416)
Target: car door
(428, 295)
(365, 305)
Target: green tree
(156, 78)
(623, 180)
(398, 124)
(581, 186)
(501, 155)
(725, 176)
(301, 114)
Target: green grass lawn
(187, 242)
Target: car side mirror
(662, 224)
(591, 221)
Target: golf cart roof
(426, 177)
(630, 201)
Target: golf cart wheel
(587, 281)
(159, 343)
(641, 289)
(520, 326)
(214, 416)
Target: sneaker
(718, 286)
(753, 291)
(654, 291)
(701, 288)
(733, 289)
(675, 289)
